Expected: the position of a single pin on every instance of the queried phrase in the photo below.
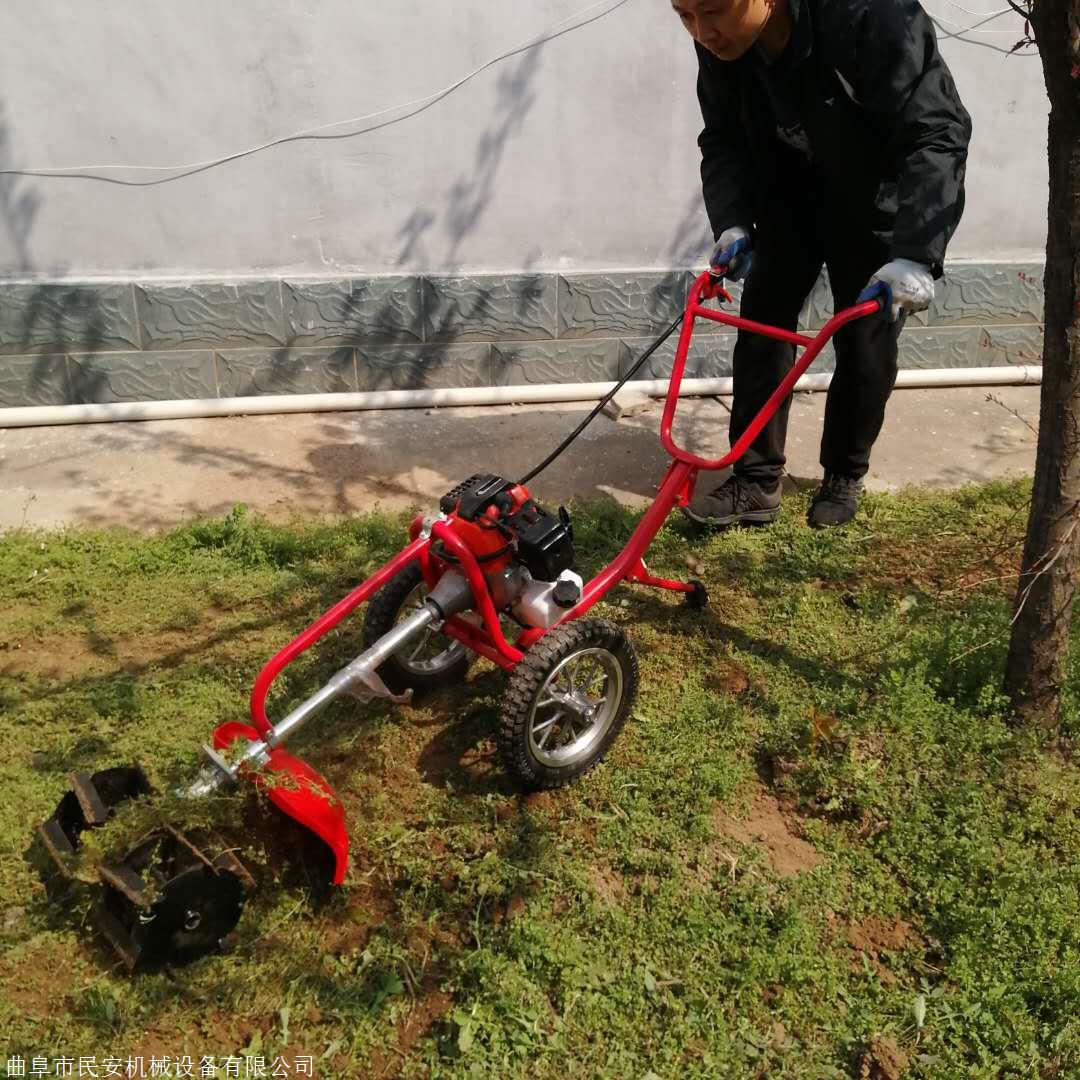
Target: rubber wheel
(435, 661)
(566, 702)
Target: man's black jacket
(886, 127)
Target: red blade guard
(305, 796)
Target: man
(833, 134)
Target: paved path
(155, 474)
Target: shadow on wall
(52, 329)
(692, 240)
(466, 203)
(470, 195)
(468, 199)
(18, 206)
(41, 323)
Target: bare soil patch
(66, 656)
(876, 938)
(60, 656)
(425, 1013)
(882, 1060)
(39, 981)
(539, 802)
(771, 828)
(608, 884)
(369, 908)
(729, 678)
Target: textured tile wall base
(70, 342)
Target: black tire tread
(528, 677)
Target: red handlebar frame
(706, 287)
(488, 639)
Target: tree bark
(1042, 611)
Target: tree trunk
(1042, 611)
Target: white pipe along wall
(48, 415)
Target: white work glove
(733, 253)
(910, 285)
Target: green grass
(843, 684)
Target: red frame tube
(679, 479)
(475, 638)
(754, 327)
(320, 628)
(481, 593)
(640, 576)
(626, 562)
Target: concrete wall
(579, 155)
(456, 248)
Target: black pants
(792, 242)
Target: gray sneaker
(736, 501)
(836, 501)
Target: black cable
(602, 402)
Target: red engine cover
(484, 538)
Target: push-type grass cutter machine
(490, 553)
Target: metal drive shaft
(359, 678)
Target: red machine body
(482, 544)
(491, 558)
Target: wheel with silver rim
(428, 663)
(567, 701)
